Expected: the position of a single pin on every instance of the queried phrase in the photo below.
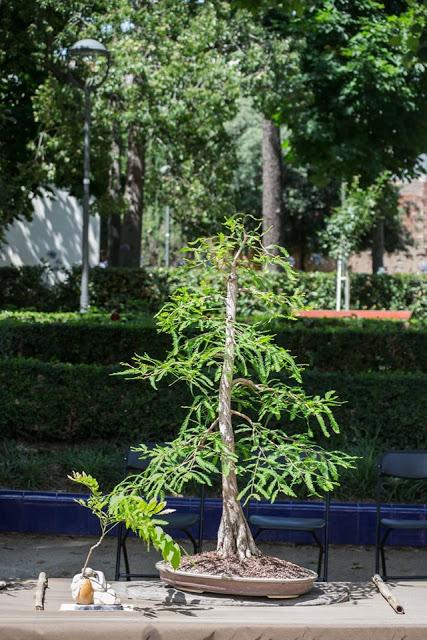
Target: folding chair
(408, 465)
(310, 525)
(180, 521)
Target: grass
(45, 467)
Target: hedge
(27, 288)
(349, 347)
(37, 287)
(43, 401)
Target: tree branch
(244, 416)
(245, 382)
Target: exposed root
(234, 535)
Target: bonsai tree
(250, 419)
(142, 517)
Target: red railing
(370, 314)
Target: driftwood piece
(40, 591)
(386, 593)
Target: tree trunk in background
(271, 184)
(378, 246)
(114, 232)
(130, 239)
(114, 188)
(103, 238)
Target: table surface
(366, 616)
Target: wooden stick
(40, 590)
(387, 594)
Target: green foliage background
(45, 406)
(141, 289)
(349, 346)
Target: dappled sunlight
(52, 236)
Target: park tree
(358, 103)
(268, 68)
(250, 422)
(158, 121)
(361, 212)
(363, 108)
(21, 74)
(305, 204)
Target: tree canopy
(363, 88)
(346, 80)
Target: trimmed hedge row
(63, 402)
(38, 288)
(43, 401)
(373, 346)
(27, 287)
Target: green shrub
(26, 288)
(145, 289)
(62, 417)
(349, 346)
(62, 402)
(115, 288)
(23, 465)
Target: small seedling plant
(250, 420)
(142, 517)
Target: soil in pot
(258, 576)
(211, 563)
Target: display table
(365, 615)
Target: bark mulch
(255, 567)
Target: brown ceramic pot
(229, 585)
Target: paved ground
(25, 555)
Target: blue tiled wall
(350, 523)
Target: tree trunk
(234, 535)
(114, 232)
(130, 240)
(272, 181)
(114, 188)
(103, 237)
(378, 246)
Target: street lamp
(86, 53)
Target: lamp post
(87, 51)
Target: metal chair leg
(125, 555)
(201, 520)
(377, 542)
(383, 562)
(191, 538)
(256, 534)
(326, 538)
(119, 551)
(377, 555)
(320, 545)
(325, 562)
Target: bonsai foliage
(138, 515)
(250, 420)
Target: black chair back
(404, 464)
(134, 464)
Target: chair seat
(292, 524)
(181, 520)
(403, 524)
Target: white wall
(53, 235)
